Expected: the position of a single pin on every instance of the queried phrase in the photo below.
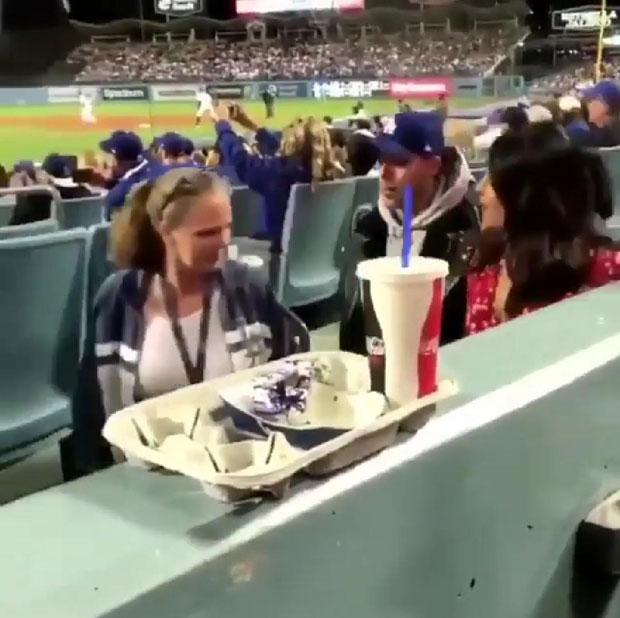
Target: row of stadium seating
(50, 281)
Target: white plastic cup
(407, 303)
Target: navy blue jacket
(270, 177)
(256, 328)
(116, 197)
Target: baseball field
(33, 131)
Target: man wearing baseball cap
(129, 167)
(445, 204)
(603, 105)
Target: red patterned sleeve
(605, 267)
(481, 288)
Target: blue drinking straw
(407, 218)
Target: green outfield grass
(31, 132)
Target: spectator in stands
(445, 204)
(603, 105)
(573, 120)
(59, 175)
(34, 206)
(4, 178)
(129, 167)
(480, 250)
(553, 249)
(362, 153)
(180, 313)
(305, 156)
(171, 149)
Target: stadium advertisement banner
(230, 91)
(286, 90)
(175, 92)
(69, 94)
(178, 8)
(421, 88)
(124, 93)
(252, 7)
(350, 88)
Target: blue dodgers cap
(415, 134)
(124, 145)
(172, 144)
(56, 166)
(188, 147)
(24, 166)
(607, 91)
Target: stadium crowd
(575, 77)
(457, 53)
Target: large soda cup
(405, 305)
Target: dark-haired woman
(550, 205)
(180, 313)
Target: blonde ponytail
(135, 242)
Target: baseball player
(205, 104)
(269, 97)
(86, 108)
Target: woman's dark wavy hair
(550, 201)
(512, 146)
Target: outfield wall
(398, 88)
(404, 88)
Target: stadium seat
(99, 264)
(7, 203)
(28, 229)
(309, 269)
(247, 212)
(366, 191)
(611, 157)
(41, 319)
(82, 212)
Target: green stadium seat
(309, 269)
(41, 319)
(7, 203)
(28, 229)
(81, 212)
(611, 158)
(366, 191)
(247, 212)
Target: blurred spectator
(129, 167)
(362, 153)
(33, 206)
(458, 53)
(553, 249)
(573, 120)
(603, 107)
(59, 174)
(180, 293)
(305, 156)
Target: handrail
(56, 199)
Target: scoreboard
(585, 19)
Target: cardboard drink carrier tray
(208, 432)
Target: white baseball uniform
(86, 105)
(205, 101)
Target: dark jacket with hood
(437, 233)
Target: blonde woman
(305, 156)
(179, 313)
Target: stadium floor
(31, 132)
